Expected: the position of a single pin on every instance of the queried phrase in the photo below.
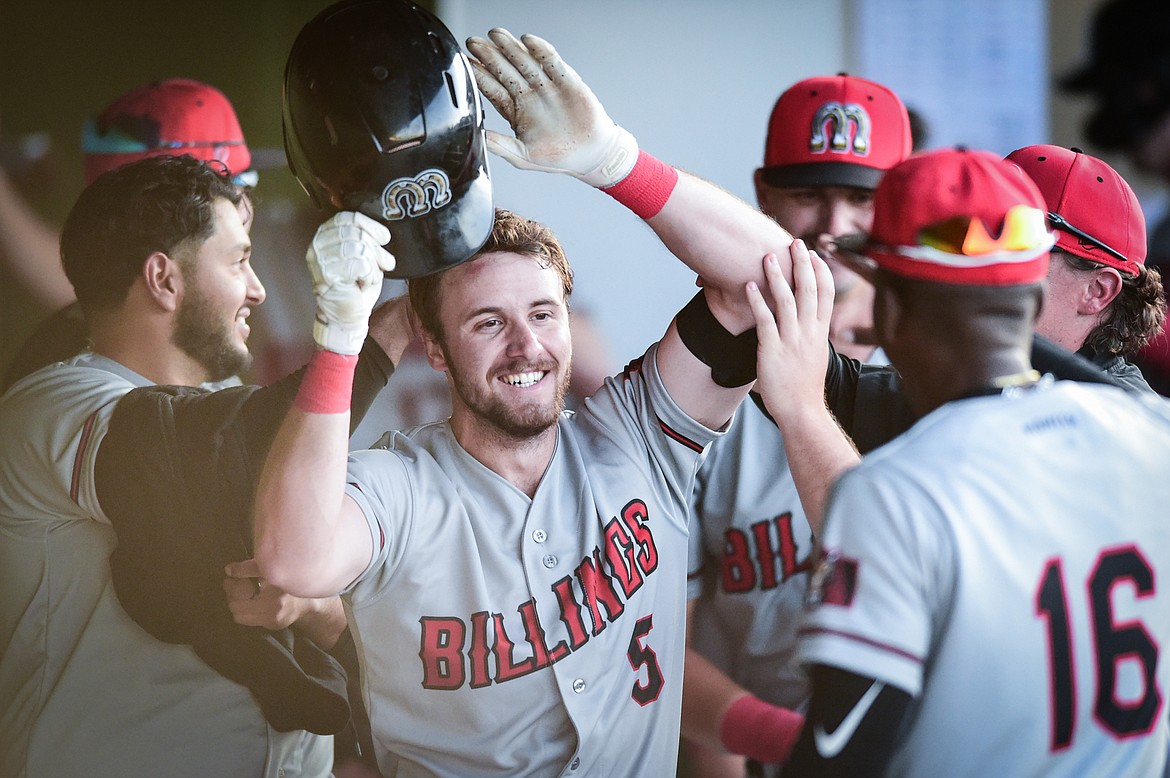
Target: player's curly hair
(127, 214)
(1136, 314)
(510, 233)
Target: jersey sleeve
(881, 581)
(51, 424)
(378, 481)
(634, 410)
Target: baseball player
(1101, 299)
(166, 117)
(516, 575)
(829, 141)
(160, 259)
(995, 610)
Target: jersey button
(576, 763)
(539, 536)
(579, 685)
(550, 561)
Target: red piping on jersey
(86, 434)
(632, 367)
(861, 639)
(679, 437)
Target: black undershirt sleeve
(836, 740)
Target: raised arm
(29, 248)
(311, 539)
(793, 352)
(561, 127)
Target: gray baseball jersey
(750, 551)
(502, 635)
(1004, 562)
(83, 689)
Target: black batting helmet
(382, 116)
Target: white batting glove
(347, 261)
(560, 125)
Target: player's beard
(516, 422)
(202, 334)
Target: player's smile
(221, 290)
(506, 346)
(524, 380)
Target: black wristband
(732, 358)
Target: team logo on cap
(410, 198)
(831, 125)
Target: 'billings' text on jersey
(478, 650)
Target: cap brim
(823, 174)
(848, 250)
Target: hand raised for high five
(791, 360)
(560, 125)
(794, 343)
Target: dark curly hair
(1135, 316)
(127, 214)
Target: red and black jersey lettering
(452, 655)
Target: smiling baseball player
(517, 575)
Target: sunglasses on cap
(1060, 223)
(117, 141)
(1024, 232)
(847, 249)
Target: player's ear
(164, 280)
(761, 189)
(436, 354)
(1103, 287)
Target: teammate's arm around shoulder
(311, 539)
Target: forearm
(391, 327)
(818, 453)
(707, 694)
(719, 714)
(721, 238)
(299, 543)
(29, 248)
(323, 622)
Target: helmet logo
(830, 129)
(409, 198)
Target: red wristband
(647, 187)
(327, 384)
(766, 733)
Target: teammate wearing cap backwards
(516, 575)
(829, 141)
(996, 611)
(1101, 298)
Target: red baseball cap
(1095, 213)
(960, 217)
(175, 116)
(835, 131)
